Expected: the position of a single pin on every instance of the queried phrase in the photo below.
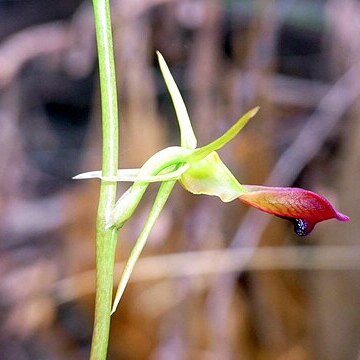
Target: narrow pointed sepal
(187, 136)
(218, 143)
(302, 207)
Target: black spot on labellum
(301, 226)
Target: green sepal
(161, 198)
(204, 151)
(210, 176)
(187, 136)
(128, 202)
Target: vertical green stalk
(105, 238)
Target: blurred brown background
(216, 281)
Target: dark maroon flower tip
(302, 207)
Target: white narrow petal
(131, 175)
(98, 175)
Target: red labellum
(302, 207)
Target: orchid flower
(201, 171)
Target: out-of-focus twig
(19, 48)
(213, 262)
(135, 8)
(26, 217)
(76, 37)
(292, 91)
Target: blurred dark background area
(216, 281)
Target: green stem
(105, 238)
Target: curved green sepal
(210, 176)
(187, 136)
(128, 202)
(161, 198)
(204, 151)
